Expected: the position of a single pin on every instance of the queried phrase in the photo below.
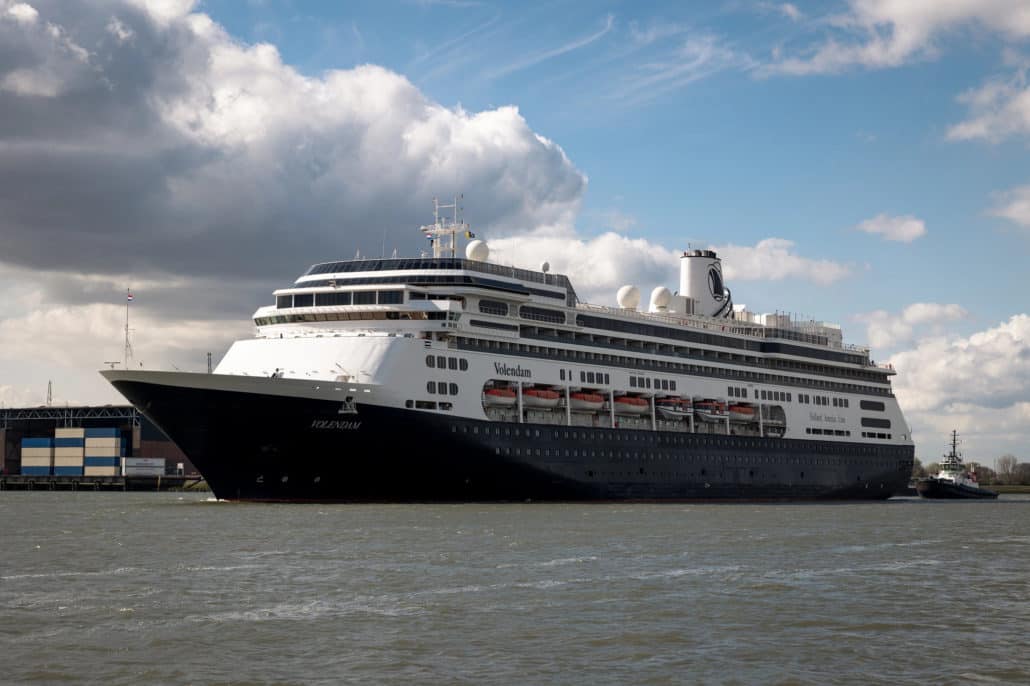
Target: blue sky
(863, 162)
(729, 155)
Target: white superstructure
(456, 335)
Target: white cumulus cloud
(904, 228)
(1014, 205)
(979, 385)
(774, 259)
(878, 34)
(886, 329)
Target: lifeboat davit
(741, 413)
(586, 402)
(673, 408)
(540, 397)
(500, 397)
(626, 404)
(710, 410)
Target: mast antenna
(127, 355)
(440, 233)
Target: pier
(170, 482)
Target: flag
(128, 297)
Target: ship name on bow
(336, 424)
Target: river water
(131, 588)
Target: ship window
(330, 299)
(391, 297)
(672, 385)
(607, 379)
(590, 377)
(430, 387)
(283, 301)
(874, 405)
(463, 364)
(364, 297)
(561, 374)
(441, 362)
(583, 376)
(454, 388)
(425, 405)
(788, 397)
(430, 361)
(632, 382)
(452, 362)
(446, 406)
(493, 307)
(303, 299)
(409, 403)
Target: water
(122, 588)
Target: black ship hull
(946, 490)
(267, 447)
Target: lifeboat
(500, 397)
(673, 408)
(539, 397)
(586, 402)
(625, 404)
(710, 411)
(742, 413)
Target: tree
(932, 469)
(1007, 468)
(986, 475)
(917, 469)
(1022, 473)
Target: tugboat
(953, 481)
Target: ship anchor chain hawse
(458, 378)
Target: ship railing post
(761, 420)
(726, 409)
(654, 423)
(611, 408)
(518, 387)
(568, 407)
(693, 428)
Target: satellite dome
(661, 297)
(477, 251)
(628, 297)
(545, 267)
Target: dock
(171, 482)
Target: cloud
(999, 109)
(904, 228)
(1014, 205)
(990, 369)
(773, 259)
(173, 148)
(978, 384)
(599, 266)
(22, 13)
(696, 57)
(790, 11)
(536, 58)
(878, 34)
(885, 329)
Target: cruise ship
(448, 378)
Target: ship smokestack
(701, 281)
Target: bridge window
(391, 297)
(541, 314)
(303, 299)
(283, 301)
(364, 297)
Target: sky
(863, 162)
